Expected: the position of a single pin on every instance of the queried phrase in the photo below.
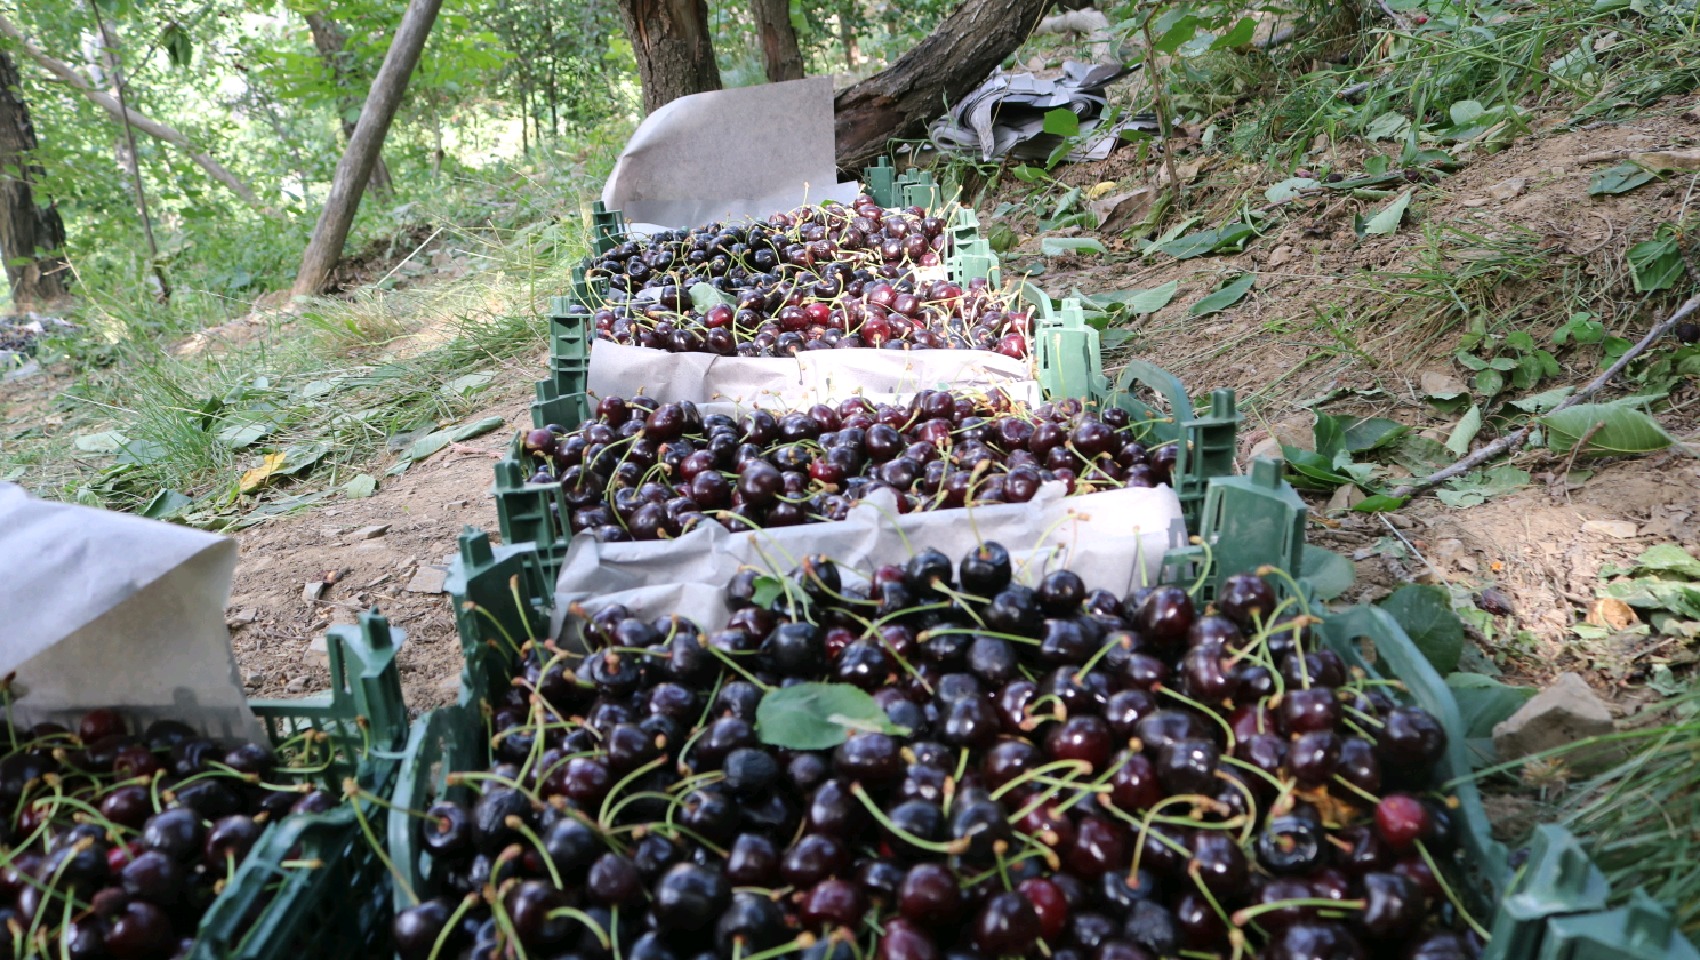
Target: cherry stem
(1446, 888)
(596, 929)
(352, 792)
(1038, 775)
(1245, 915)
(507, 925)
(953, 848)
(466, 903)
(1287, 578)
(1221, 721)
(604, 817)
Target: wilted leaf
(165, 505)
(1619, 179)
(360, 487)
(1611, 613)
(1388, 126)
(1380, 503)
(1388, 219)
(1669, 558)
(110, 441)
(1471, 424)
(1544, 401)
(236, 436)
(1230, 238)
(261, 475)
(704, 295)
(1226, 296)
(1611, 429)
(1373, 433)
(1477, 487)
(476, 428)
(1289, 188)
(1056, 246)
(1655, 264)
(469, 383)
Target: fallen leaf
(261, 475)
(1442, 385)
(1612, 614)
(1099, 189)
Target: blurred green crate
(314, 886)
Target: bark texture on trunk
(941, 69)
(352, 172)
(331, 41)
(675, 54)
(27, 228)
(781, 58)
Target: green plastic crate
(314, 886)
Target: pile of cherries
(642, 470)
(817, 278)
(117, 844)
(1060, 773)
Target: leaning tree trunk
(32, 237)
(941, 69)
(847, 34)
(331, 41)
(675, 53)
(355, 167)
(781, 58)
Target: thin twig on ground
(1515, 437)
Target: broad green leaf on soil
(1465, 112)
(1484, 702)
(1489, 382)
(360, 487)
(1421, 455)
(1470, 425)
(476, 428)
(165, 505)
(1379, 503)
(1229, 239)
(237, 436)
(1476, 487)
(1328, 436)
(1055, 246)
(320, 388)
(817, 716)
(704, 295)
(1669, 558)
(1619, 179)
(1676, 596)
(1149, 300)
(1328, 573)
(1544, 401)
(1388, 126)
(1373, 433)
(1289, 188)
(109, 441)
(1612, 430)
(426, 445)
(1002, 238)
(1424, 612)
(467, 384)
(1062, 122)
(1657, 263)
(1388, 219)
(1114, 337)
(1226, 296)
(1313, 470)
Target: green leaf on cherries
(818, 716)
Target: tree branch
(159, 131)
(1516, 436)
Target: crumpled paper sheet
(813, 376)
(727, 155)
(1115, 540)
(1005, 116)
(104, 609)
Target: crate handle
(1160, 380)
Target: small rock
(319, 646)
(372, 532)
(331, 533)
(1473, 202)
(1280, 255)
(1620, 529)
(1508, 189)
(1267, 447)
(255, 680)
(427, 580)
(312, 590)
(1436, 384)
(1562, 714)
(1298, 432)
(297, 685)
(449, 685)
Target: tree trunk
(780, 56)
(331, 41)
(941, 69)
(675, 54)
(32, 237)
(352, 172)
(847, 35)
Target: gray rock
(1562, 714)
(428, 580)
